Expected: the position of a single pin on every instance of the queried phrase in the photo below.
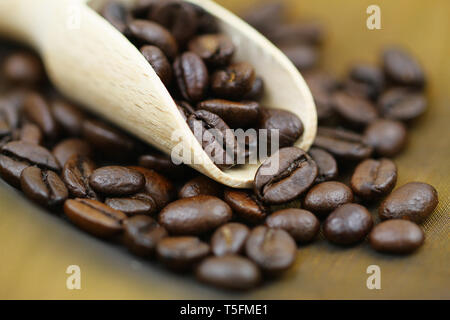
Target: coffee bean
(348, 224)
(31, 153)
(64, 150)
(322, 85)
(137, 204)
(30, 133)
(235, 114)
(289, 126)
(402, 104)
(141, 235)
(229, 239)
(396, 236)
(206, 22)
(143, 8)
(43, 186)
(402, 68)
(246, 205)
(285, 176)
(201, 185)
(229, 272)
(159, 63)
(387, 137)
(256, 93)
(413, 201)
(327, 196)
(233, 82)
(305, 33)
(67, 116)
(94, 217)
(164, 165)
(10, 170)
(195, 215)
(328, 169)
(216, 50)
(273, 250)
(367, 79)
(116, 180)
(116, 14)
(181, 253)
(192, 76)
(303, 56)
(301, 224)
(75, 174)
(185, 109)
(23, 68)
(38, 111)
(355, 111)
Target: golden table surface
(36, 247)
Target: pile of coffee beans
(114, 187)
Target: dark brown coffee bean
(67, 116)
(246, 205)
(163, 164)
(306, 33)
(256, 93)
(38, 111)
(142, 234)
(367, 80)
(229, 239)
(43, 186)
(402, 104)
(138, 204)
(402, 68)
(30, 133)
(413, 201)
(234, 82)
(23, 68)
(64, 150)
(181, 253)
(75, 174)
(355, 111)
(343, 144)
(116, 180)
(348, 224)
(304, 57)
(31, 153)
(236, 114)
(201, 185)
(195, 215)
(159, 63)
(10, 170)
(151, 33)
(285, 176)
(206, 22)
(273, 250)
(327, 196)
(216, 50)
(302, 225)
(396, 236)
(264, 16)
(116, 14)
(185, 109)
(328, 168)
(229, 272)
(192, 76)
(94, 217)
(373, 179)
(387, 137)
(143, 8)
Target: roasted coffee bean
(23, 68)
(327, 196)
(233, 82)
(43, 186)
(192, 76)
(229, 239)
(75, 174)
(256, 93)
(328, 168)
(387, 137)
(151, 33)
(306, 33)
(141, 235)
(229, 272)
(30, 133)
(38, 111)
(31, 153)
(159, 63)
(368, 79)
(94, 217)
(138, 204)
(201, 185)
(264, 17)
(246, 205)
(273, 250)
(206, 22)
(11, 170)
(343, 144)
(185, 109)
(116, 180)
(181, 253)
(348, 224)
(64, 150)
(67, 116)
(402, 104)
(116, 14)
(402, 68)
(164, 165)
(236, 114)
(355, 111)
(304, 57)
(216, 50)
(143, 8)
(322, 84)
(413, 201)
(301, 224)
(373, 179)
(396, 236)
(285, 176)
(289, 126)
(195, 215)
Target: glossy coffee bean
(31, 153)
(164, 165)
(257, 91)
(116, 14)
(201, 185)
(229, 239)
(285, 176)
(30, 133)
(94, 217)
(159, 63)
(327, 196)
(38, 111)
(368, 79)
(67, 116)
(303, 56)
(348, 224)
(192, 76)
(301, 224)
(355, 111)
(373, 179)
(116, 180)
(229, 272)
(413, 201)
(195, 215)
(289, 126)
(138, 204)
(236, 114)
(396, 236)
(142, 234)
(75, 174)
(402, 68)
(11, 170)
(181, 253)
(64, 150)
(233, 82)
(246, 205)
(402, 104)
(273, 250)
(328, 168)
(23, 68)
(216, 50)
(387, 137)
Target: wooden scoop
(92, 63)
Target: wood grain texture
(36, 247)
